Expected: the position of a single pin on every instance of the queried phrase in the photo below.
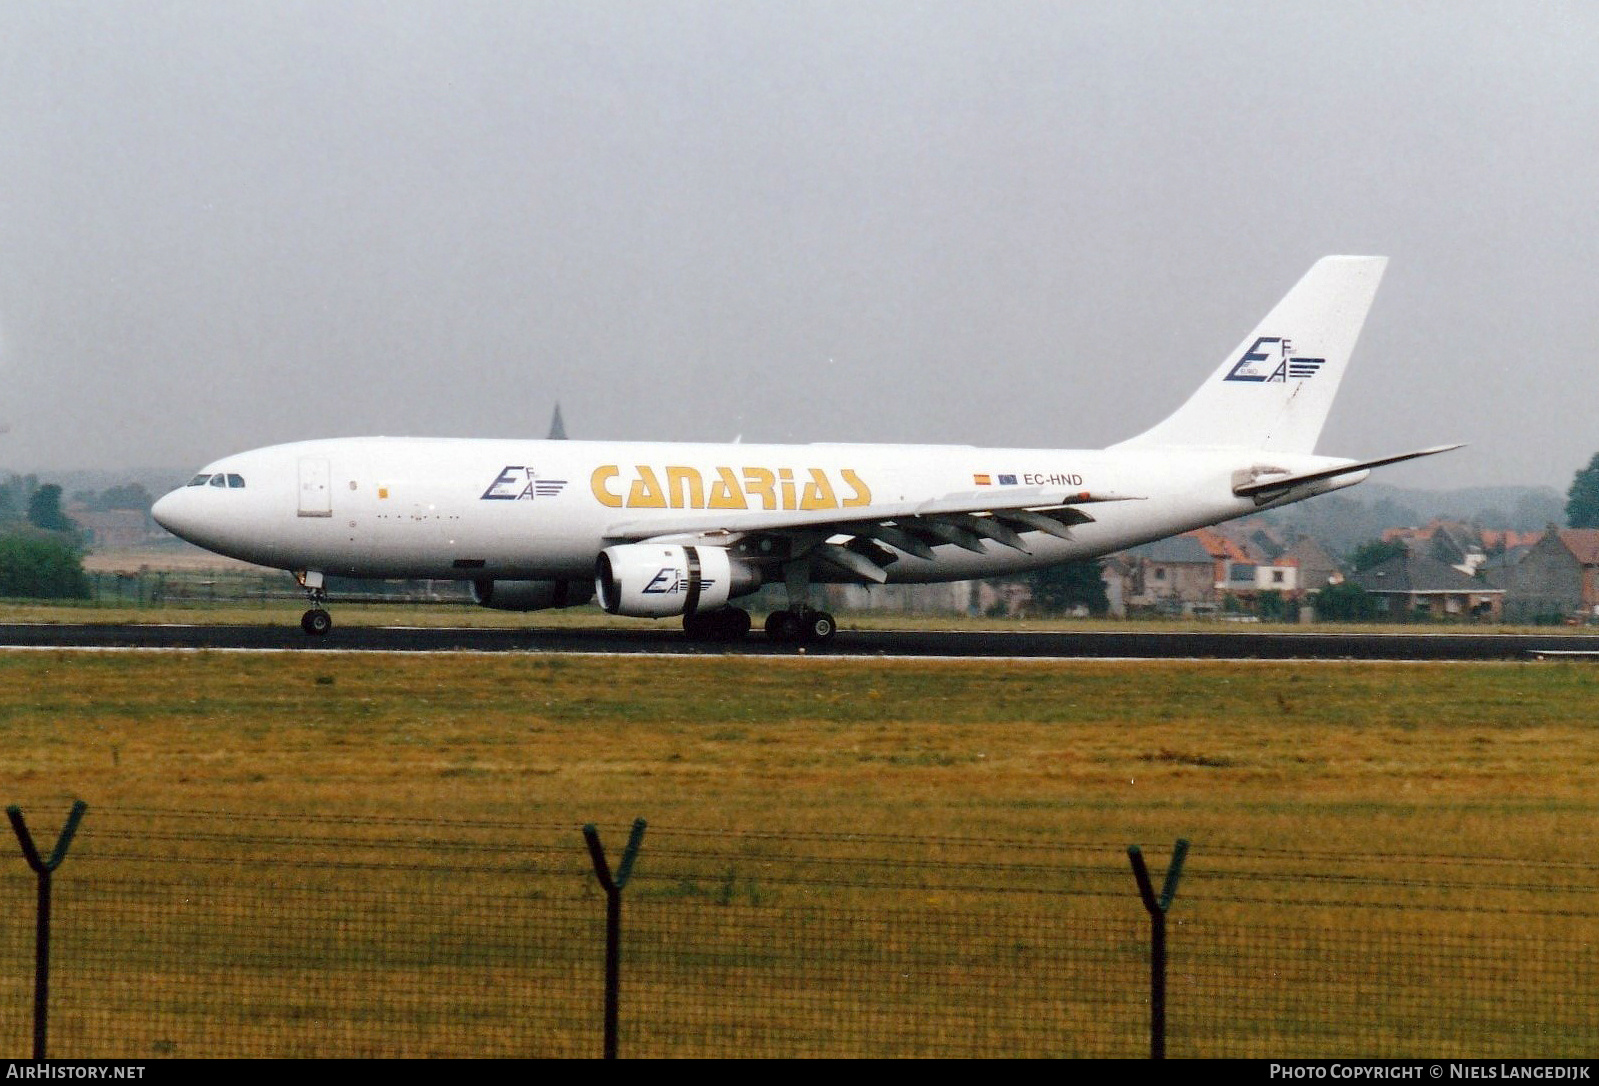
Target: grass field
(283, 610)
(1487, 757)
(1279, 770)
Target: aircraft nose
(162, 509)
(171, 513)
(215, 516)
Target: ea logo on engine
(666, 582)
(671, 580)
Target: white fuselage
(507, 509)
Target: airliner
(673, 530)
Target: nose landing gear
(316, 622)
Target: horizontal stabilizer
(1253, 482)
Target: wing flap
(850, 562)
(896, 536)
(1056, 522)
(970, 521)
(989, 528)
(701, 521)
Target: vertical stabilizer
(1275, 390)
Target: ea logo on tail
(1275, 363)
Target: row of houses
(1446, 570)
(1212, 570)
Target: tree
(1582, 500)
(35, 565)
(1534, 510)
(126, 496)
(1345, 602)
(14, 495)
(44, 510)
(1058, 590)
(1271, 606)
(1378, 551)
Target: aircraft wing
(965, 520)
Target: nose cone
(162, 510)
(177, 513)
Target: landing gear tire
(783, 627)
(316, 622)
(819, 627)
(722, 624)
(808, 628)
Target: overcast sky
(225, 225)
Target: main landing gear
(798, 624)
(807, 627)
(722, 624)
(316, 622)
(804, 627)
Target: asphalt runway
(668, 640)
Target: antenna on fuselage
(557, 426)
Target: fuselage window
(200, 480)
(235, 482)
(219, 479)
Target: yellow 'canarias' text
(676, 487)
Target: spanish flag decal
(982, 480)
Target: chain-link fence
(229, 587)
(196, 934)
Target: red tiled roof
(1220, 547)
(1582, 542)
(1508, 539)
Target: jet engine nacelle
(653, 580)
(530, 595)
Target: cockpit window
(228, 479)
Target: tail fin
(1274, 391)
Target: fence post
(613, 919)
(1157, 908)
(41, 939)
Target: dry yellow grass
(240, 601)
(1341, 766)
(1486, 757)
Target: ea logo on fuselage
(1261, 363)
(519, 482)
